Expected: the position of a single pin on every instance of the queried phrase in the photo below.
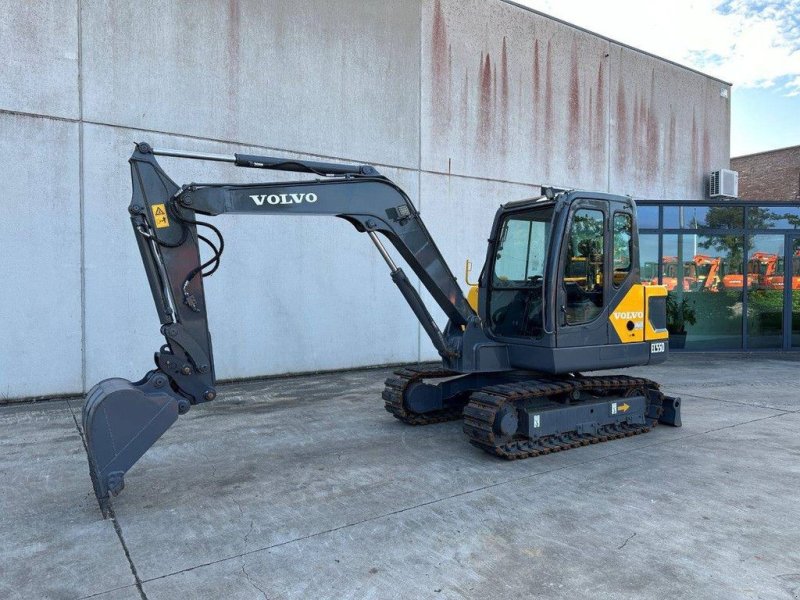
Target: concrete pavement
(305, 488)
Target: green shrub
(679, 314)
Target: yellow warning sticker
(623, 407)
(160, 215)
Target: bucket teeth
(121, 421)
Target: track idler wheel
(121, 421)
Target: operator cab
(560, 273)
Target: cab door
(584, 276)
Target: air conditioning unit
(723, 184)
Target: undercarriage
(522, 414)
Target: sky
(753, 44)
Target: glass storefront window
(648, 258)
(703, 217)
(647, 217)
(773, 217)
(794, 277)
(672, 217)
(765, 267)
(698, 268)
(744, 295)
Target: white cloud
(751, 43)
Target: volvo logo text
(628, 315)
(283, 198)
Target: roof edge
(613, 41)
(766, 152)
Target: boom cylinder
(414, 301)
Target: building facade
(770, 175)
(464, 103)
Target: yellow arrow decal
(623, 407)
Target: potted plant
(679, 313)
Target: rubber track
(484, 406)
(397, 385)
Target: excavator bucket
(121, 421)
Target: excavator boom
(122, 419)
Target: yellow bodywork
(650, 332)
(630, 319)
(472, 297)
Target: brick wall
(772, 175)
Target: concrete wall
(771, 175)
(464, 103)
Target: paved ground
(306, 488)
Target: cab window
(583, 266)
(623, 236)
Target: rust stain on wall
(635, 131)
(548, 99)
(599, 142)
(622, 126)
(591, 122)
(671, 142)
(485, 80)
(528, 91)
(705, 166)
(640, 153)
(535, 89)
(652, 134)
(440, 70)
(504, 96)
(574, 125)
(494, 92)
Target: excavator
(775, 278)
(708, 269)
(669, 278)
(764, 266)
(733, 278)
(513, 362)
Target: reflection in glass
(647, 217)
(703, 217)
(794, 277)
(677, 264)
(648, 258)
(765, 266)
(773, 217)
(699, 268)
(715, 271)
